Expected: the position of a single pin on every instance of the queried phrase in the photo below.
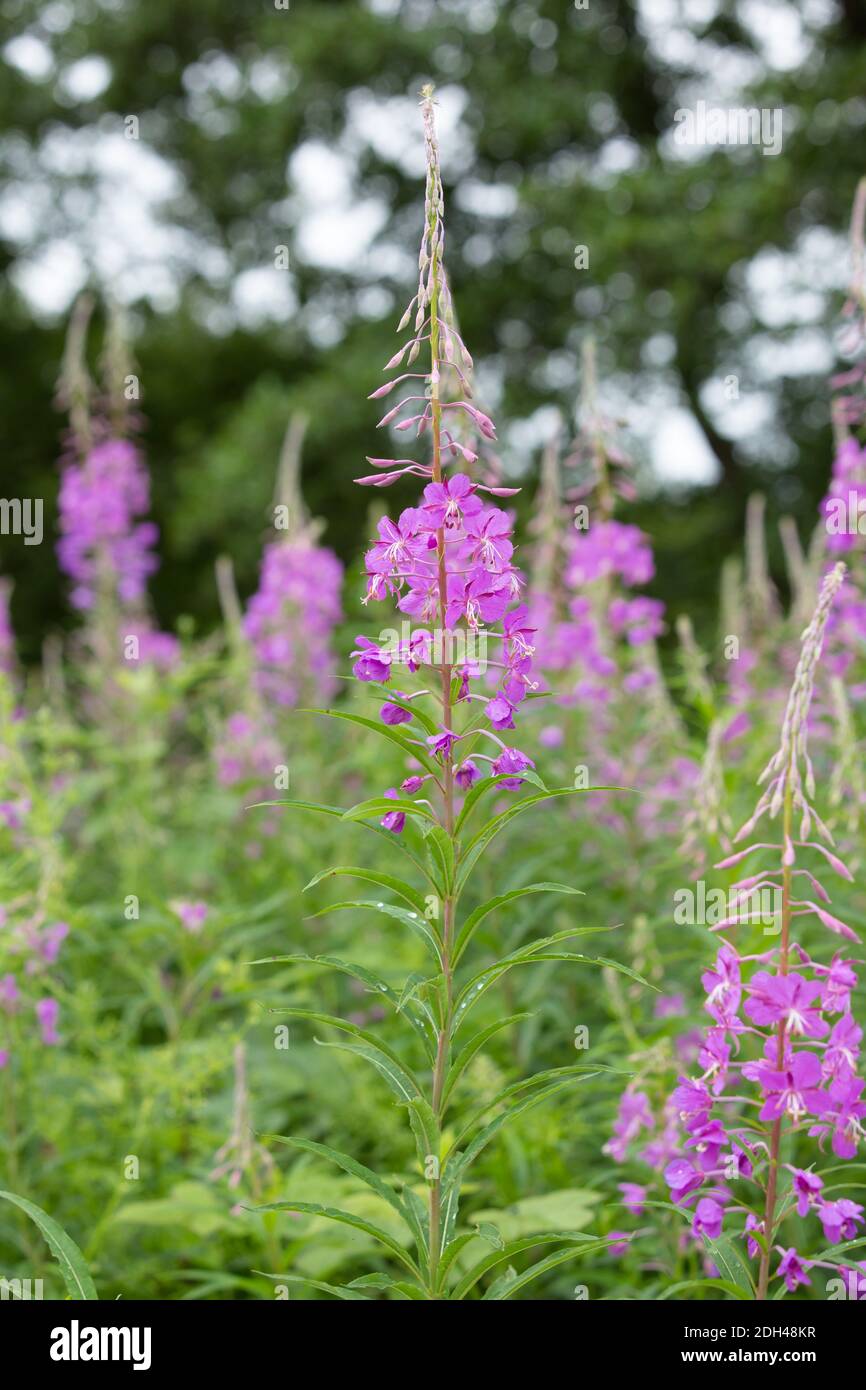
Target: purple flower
(843, 1049)
(692, 1100)
(634, 1114)
(193, 915)
(500, 712)
(707, 1220)
(807, 1185)
(51, 941)
(793, 1091)
(723, 986)
(789, 1000)
(101, 538)
(840, 1219)
(466, 773)
(633, 1197)
(682, 1177)
(48, 1012)
(449, 502)
(842, 1116)
(395, 714)
(372, 663)
(9, 994)
(290, 621)
(511, 761)
(394, 820)
(441, 744)
(753, 1224)
(792, 1269)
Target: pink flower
(511, 761)
(48, 1012)
(807, 1186)
(787, 999)
(633, 1197)
(394, 820)
(795, 1091)
(840, 1219)
(192, 914)
(792, 1269)
(448, 503)
(707, 1220)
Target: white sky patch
(779, 32)
(113, 234)
(263, 294)
(86, 79)
(679, 452)
(391, 127)
(738, 418)
(334, 229)
(791, 288)
(52, 277)
(487, 199)
(29, 55)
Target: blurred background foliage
(261, 126)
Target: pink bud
(733, 859)
(833, 923)
(835, 863)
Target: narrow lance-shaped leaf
(345, 1218)
(73, 1267)
(474, 920)
(365, 1175)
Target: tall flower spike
(448, 561)
(790, 768)
(797, 1010)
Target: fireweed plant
(107, 546)
(282, 646)
(790, 1013)
(448, 563)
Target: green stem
(776, 1135)
(440, 1067)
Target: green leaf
(487, 784)
(387, 731)
(383, 805)
(480, 983)
(73, 1267)
(733, 1289)
(456, 1163)
(833, 1251)
(339, 1291)
(345, 1218)
(730, 1263)
(338, 812)
(468, 1051)
(364, 1174)
(474, 795)
(506, 1251)
(386, 1062)
(577, 1072)
(509, 1284)
(440, 848)
(368, 977)
(415, 921)
(482, 839)
(477, 917)
(397, 885)
(384, 1281)
(487, 1231)
(383, 693)
(424, 1128)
